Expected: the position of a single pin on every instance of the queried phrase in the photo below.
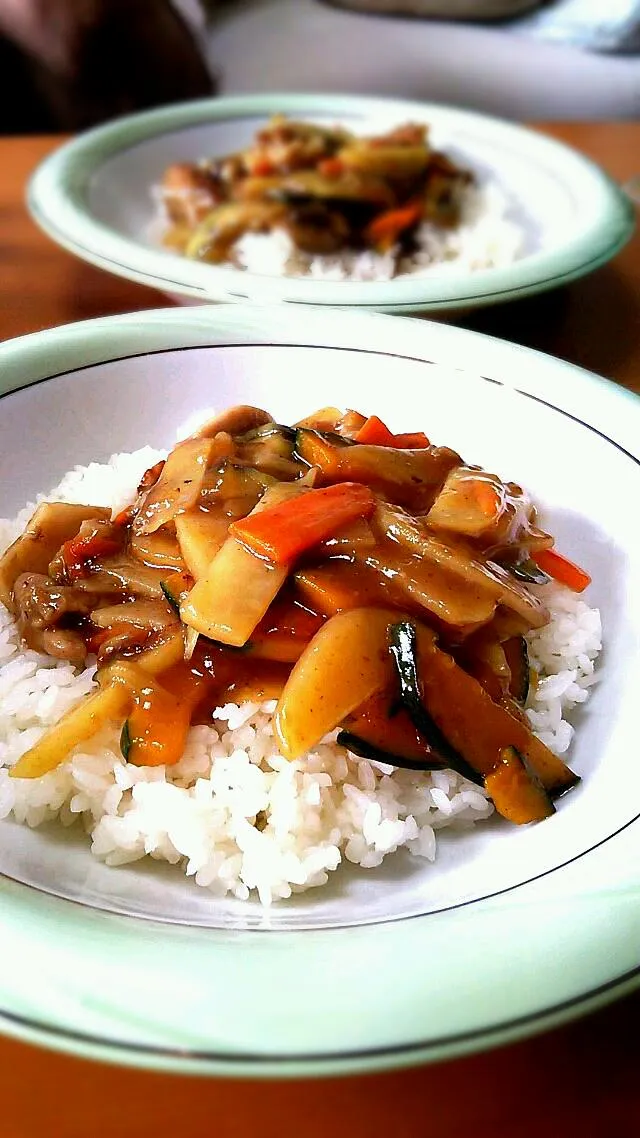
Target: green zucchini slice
(403, 645)
(517, 657)
(367, 750)
(528, 571)
(517, 793)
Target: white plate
(94, 196)
(513, 928)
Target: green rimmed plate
(94, 196)
(513, 930)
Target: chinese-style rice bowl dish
(304, 199)
(278, 648)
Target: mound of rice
(233, 814)
(486, 238)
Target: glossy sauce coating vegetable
(373, 588)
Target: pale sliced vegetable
(180, 482)
(110, 703)
(163, 650)
(143, 614)
(325, 419)
(470, 502)
(190, 638)
(234, 421)
(345, 663)
(415, 583)
(349, 538)
(231, 481)
(159, 550)
(231, 599)
(201, 535)
(51, 525)
(215, 235)
(129, 576)
(460, 562)
(478, 505)
(385, 161)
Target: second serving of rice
(486, 238)
(233, 814)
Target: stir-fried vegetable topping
(327, 189)
(371, 583)
(563, 570)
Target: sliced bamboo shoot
(345, 663)
(230, 600)
(460, 564)
(163, 650)
(52, 524)
(110, 703)
(154, 615)
(179, 484)
(201, 536)
(159, 549)
(235, 593)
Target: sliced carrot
(284, 631)
(280, 533)
(487, 496)
(375, 433)
(262, 168)
(561, 569)
(135, 635)
(416, 440)
(331, 168)
(79, 550)
(387, 226)
(85, 548)
(125, 516)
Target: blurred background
(69, 64)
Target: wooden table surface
(578, 1080)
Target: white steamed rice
(233, 813)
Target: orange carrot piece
(331, 168)
(387, 226)
(561, 569)
(125, 516)
(79, 550)
(411, 440)
(280, 533)
(488, 497)
(375, 433)
(262, 168)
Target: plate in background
(94, 197)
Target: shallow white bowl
(94, 196)
(513, 929)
